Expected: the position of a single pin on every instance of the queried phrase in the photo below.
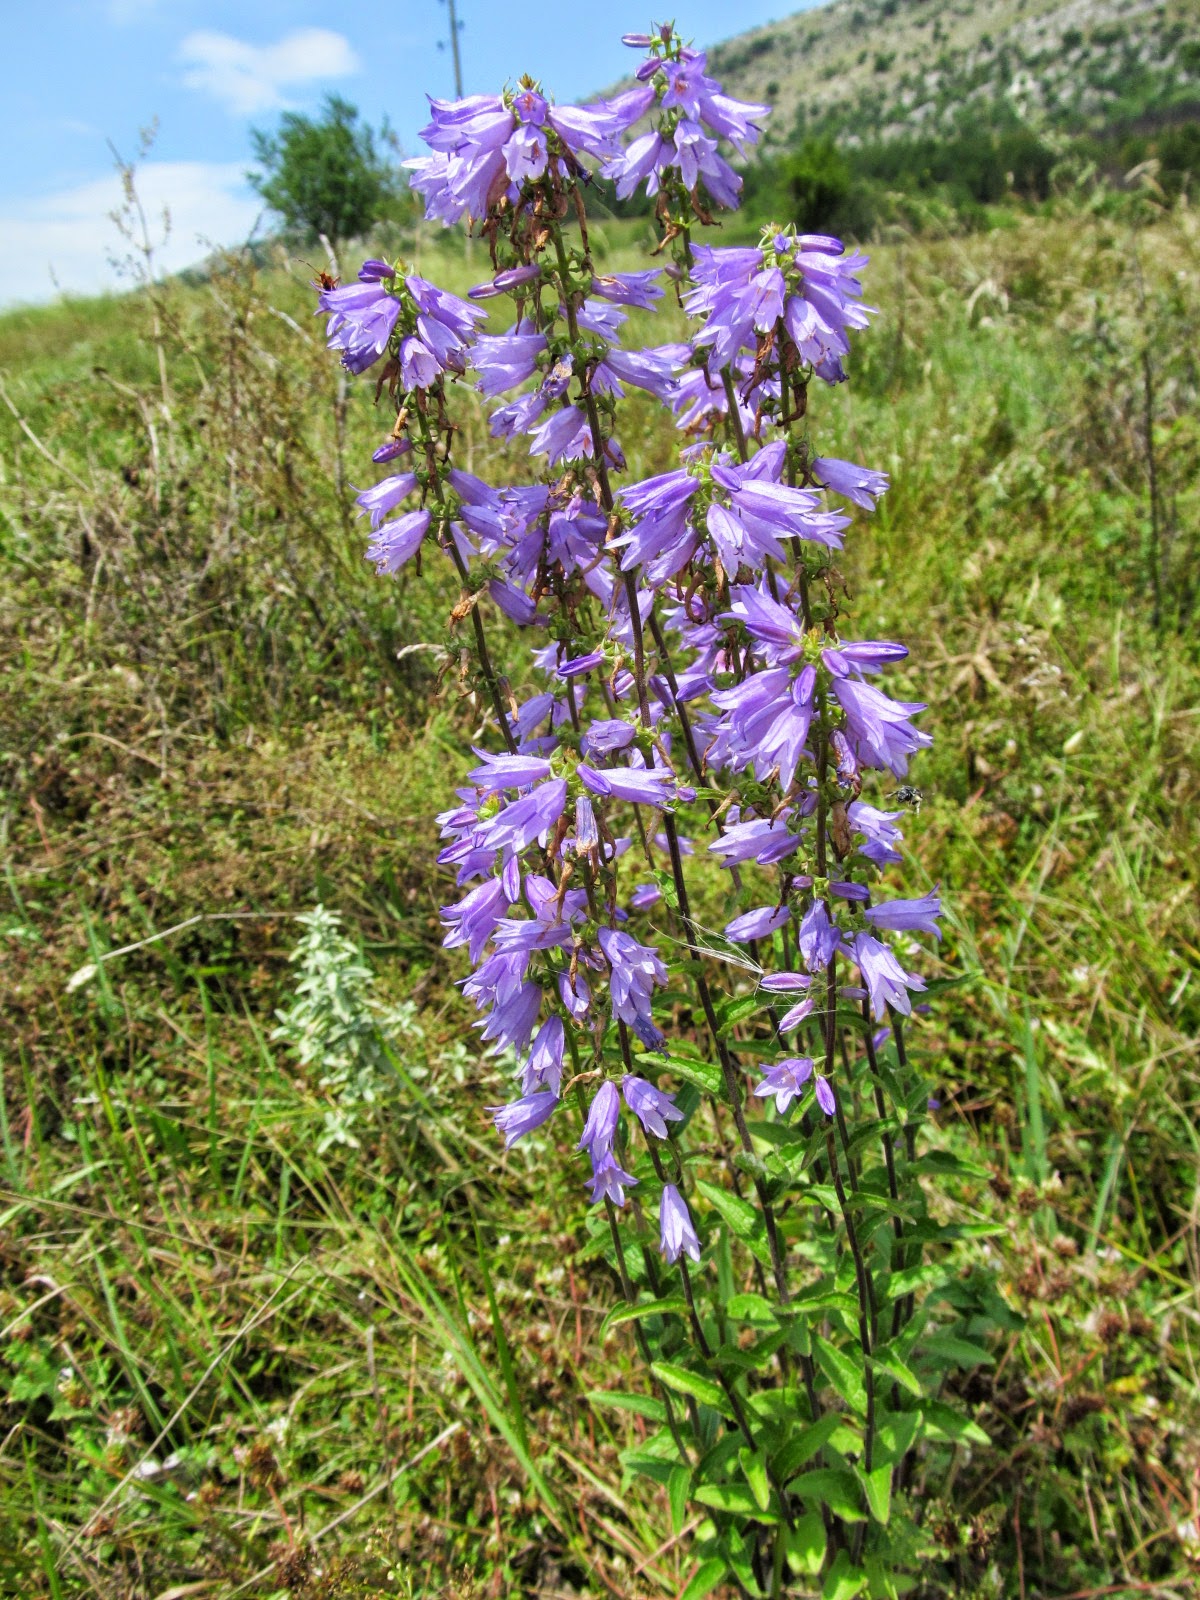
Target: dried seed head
(1110, 1327)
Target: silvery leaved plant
(696, 695)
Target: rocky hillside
(876, 69)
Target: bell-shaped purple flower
(504, 361)
(543, 1069)
(519, 823)
(651, 1106)
(652, 786)
(785, 1080)
(823, 1090)
(473, 920)
(600, 1128)
(757, 924)
(886, 980)
(908, 916)
(384, 496)
(677, 1236)
(398, 541)
(522, 1116)
(818, 937)
(878, 727)
(858, 484)
(634, 971)
(361, 319)
(608, 1181)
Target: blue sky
(78, 73)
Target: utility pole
(455, 29)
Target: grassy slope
(875, 68)
(204, 715)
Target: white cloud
(67, 240)
(251, 78)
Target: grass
(236, 1364)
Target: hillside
(876, 69)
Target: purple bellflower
(886, 980)
(857, 484)
(652, 1106)
(600, 1128)
(785, 1080)
(908, 916)
(522, 1116)
(677, 1236)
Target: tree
(323, 176)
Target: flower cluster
(693, 114)
(692, 663)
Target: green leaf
(750, 1162)
(741, 1218)
(843, 1580)
(878, 1486)
(835, 1487)
(889, 1363)
(642, 1405)
(685, 1382)
(679, 1486)
(752, 1308)
(648, 1465)
(666, 883)
(843, 1373)
(854, 1019)
(703, 1074)
(806, 1543)
(779, 1134)
(912, 1279)
(940, 985)
(824, 1298)
(735, 1498)
(946, 1164)
(705, 1578)
(754, 1465)
(644, 1308)
(734, 1011)
(947, 1349)
(894, 1434)
(756, 1356)
(943, 1422)
(804, 1447)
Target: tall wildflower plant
(697, 695)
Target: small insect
(908, 796)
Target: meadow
(277, 1315)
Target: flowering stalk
(694, 684)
